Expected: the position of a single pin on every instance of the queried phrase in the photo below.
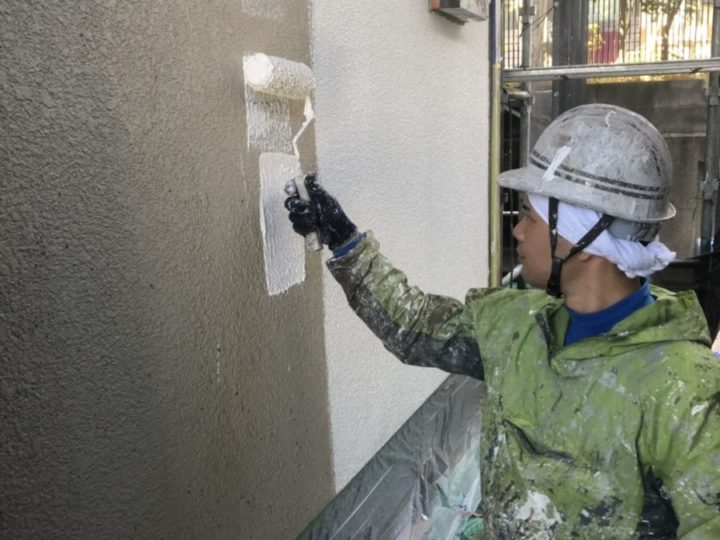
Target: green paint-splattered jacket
(616, 436)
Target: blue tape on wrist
(347, 248)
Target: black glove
(322, 213)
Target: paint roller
(291, 80)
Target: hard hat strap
(553, 284)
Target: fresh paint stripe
(283, 250)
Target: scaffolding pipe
(527, 13)
(495, 222)
(709, 187)
(584, 71)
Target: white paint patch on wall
(265, 9)
(268, 122)
(283, 249)
(402, 140)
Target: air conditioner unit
(461, 10)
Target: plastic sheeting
(424, 483)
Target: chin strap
(553, 284)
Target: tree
(655, 8)
(669, 8)
(624, 26)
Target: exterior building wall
(149, 386)
(402, 140)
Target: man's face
(533, 237)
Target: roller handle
(292, 189)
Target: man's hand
(322, 213)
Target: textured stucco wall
(149, 388)
(401, 135)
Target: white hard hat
(606, 158)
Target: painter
(602, 417)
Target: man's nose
(518, 230)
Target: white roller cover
(278, 76)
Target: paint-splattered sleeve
(420, 329)
(680, 444)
